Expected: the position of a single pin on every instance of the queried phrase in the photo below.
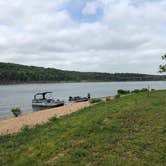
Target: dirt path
(13, 125)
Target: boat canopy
(41, 94)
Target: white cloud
(90, 8)
(128, 38)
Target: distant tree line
(15, 73)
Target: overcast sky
(85, 35)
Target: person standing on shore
(88, 96)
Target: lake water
(22, 95)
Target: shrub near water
(16, 111)
(144, 90)
(140, 90)
(123, 92)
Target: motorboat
(79, 99)
(41, 100)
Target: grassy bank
(126, 131)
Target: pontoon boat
(40, 100)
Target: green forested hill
(15, 73)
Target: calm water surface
(22, 95)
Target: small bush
(140, 90)
(123, 92)
(144, 90)
(16, 111)
(25, 128)
(136, 91)
(108, 99)
(53, 119)
(117, 96)
(25, 131)
(79, 154)
(95, 100)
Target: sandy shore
(13, 125)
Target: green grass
(126, 131)
(95, 100)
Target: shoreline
(62, 82)
(5, 118)
(14, 124)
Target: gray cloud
(128, 38)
